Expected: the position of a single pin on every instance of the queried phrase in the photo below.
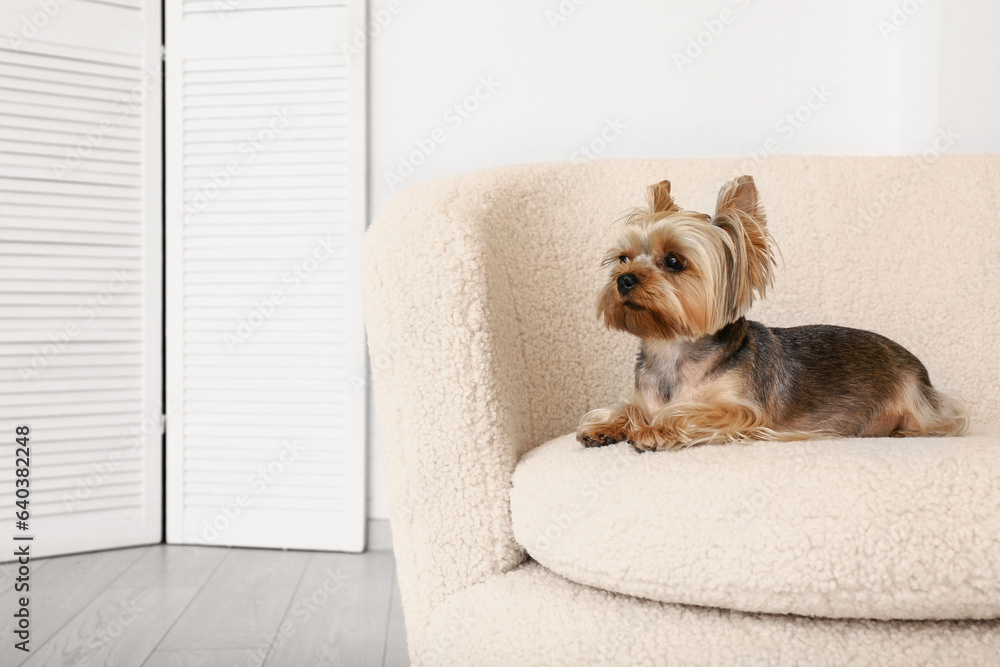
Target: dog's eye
(672, 262)
(622, 258)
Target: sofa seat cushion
(859, 528)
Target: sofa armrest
(480, 309)
(452, 417)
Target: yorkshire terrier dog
(681, 282)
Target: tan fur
(605, 426)
(919, 417)
(712, 411)
(681, 425)
(660, 200)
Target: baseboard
(379, 535)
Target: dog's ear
(739, 212)
(660, 200)
(740, 195)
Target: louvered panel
(242, 278)
(99, 263)
(249, 395)
(52, 144)
(80, 258)
(63, 399)
(316, 159)
(97, 191)
(277, 178)
(126, 4)
(76, 300)
(91, 288)
(60, 211)
(61, 313)
(97, 90)
(76, 121)
(105, 435)
(52, 102)
(72, 197)
(68, 273)
(66, 386)
(41, 128)
(11, 352)
(206, 338)
(65, 225)
(49, 71)
(258, 230)
(313, 483)
(230, 73)
(103, 503)
(89, 237)
(265, 192)
(217, 6)
(56, 378)
(64, 62)
(34, 173)
(68, 460)
(296, 80)
(252, 110)
(59, 477)
(63, 155)
(54, 357)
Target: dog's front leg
(606, 426)
(688, 424)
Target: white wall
(970, 74)
(563, 72)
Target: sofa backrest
(907, 247)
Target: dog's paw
(650, 439)
(598, 436)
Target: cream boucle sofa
(480, 305)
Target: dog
(682, 282)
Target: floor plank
(172, 566)
(242, 604)
(121, 626)
(226, 657)
(339, 613)
(7, 573)
(60, 588)
(395, 635)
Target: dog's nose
(626, 282)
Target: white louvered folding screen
(265, 214)
(80, 269)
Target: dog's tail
(932, 413)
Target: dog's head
(676, 273)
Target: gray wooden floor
(173, 606)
